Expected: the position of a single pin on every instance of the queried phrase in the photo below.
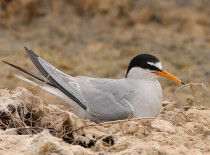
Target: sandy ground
(99, 38)
(32, 126)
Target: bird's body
(101, 99)
(127, 97)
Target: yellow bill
(168, 75)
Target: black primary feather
(38, 77)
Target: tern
(139, 94)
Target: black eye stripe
(154, 67)
(142, 61)
(151, 67)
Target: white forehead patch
(157, 64)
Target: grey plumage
(101, 99)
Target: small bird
(139, 94)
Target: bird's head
(146, 66)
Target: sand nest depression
(31, 126)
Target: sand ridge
(50, 129)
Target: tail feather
(31, 74)
(48, 88)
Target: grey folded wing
(62, 81)
(105, 100)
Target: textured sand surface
(175, 131)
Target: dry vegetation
(98, 38)
(174, 131)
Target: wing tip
(30, 52)
(26, 48)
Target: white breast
(147, 101)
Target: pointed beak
(168, 75)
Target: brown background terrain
(99, 38)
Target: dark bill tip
(183, 83)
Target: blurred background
(99, 38)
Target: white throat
(140, 73)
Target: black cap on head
(142, 60)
